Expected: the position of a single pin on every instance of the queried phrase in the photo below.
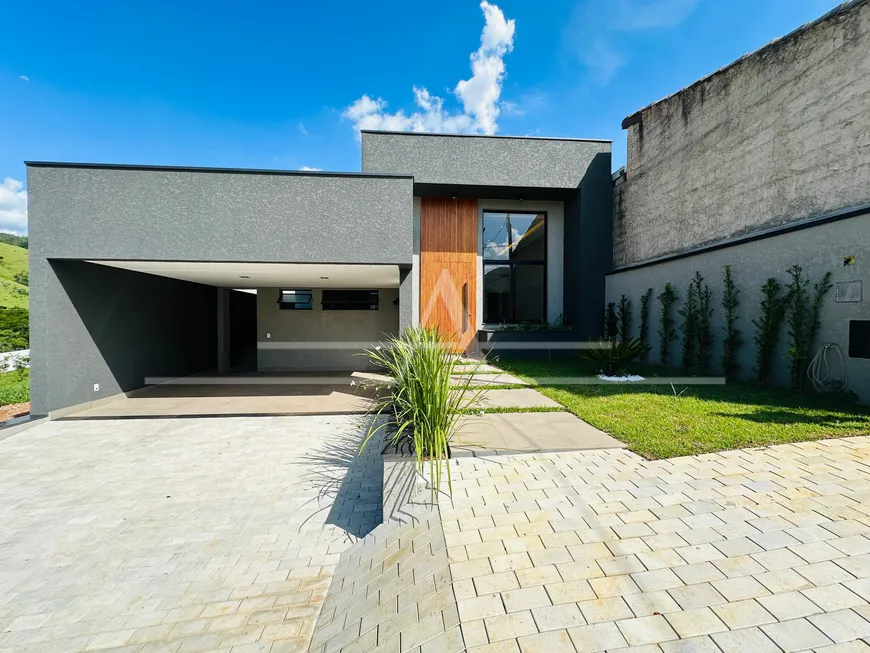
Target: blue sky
(285, 84)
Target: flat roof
(843, 8)
(243, 171)
(527, 138)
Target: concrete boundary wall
(817, 250)
(393, 590)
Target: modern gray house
(141, 272)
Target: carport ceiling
(268, 275)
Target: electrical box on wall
(859, 338)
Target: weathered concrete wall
(817, 250)
(778, 136)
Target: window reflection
(514, 254)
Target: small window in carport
(350, 300)
(294, 300)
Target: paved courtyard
(192, 534)
(177, 535)
(738, 552)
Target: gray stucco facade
(455, 160)
(117, 212)
(534, 171)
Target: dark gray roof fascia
(528, 138)
(243, 171)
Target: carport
(246, 346)
(146, 274)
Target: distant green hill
(13, 276)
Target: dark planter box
(528, 344)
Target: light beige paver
(186, 534)
(754, 550)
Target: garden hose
(821, 373)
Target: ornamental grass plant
(427, 399)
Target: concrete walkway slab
(515, 398)
(529, 432)
(502, 378)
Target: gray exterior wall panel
(182, 215)
(94, 324)
(483, 161)
(816, 250)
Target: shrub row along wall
(817, 250)
(392, 590)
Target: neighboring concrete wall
(94, 324)
(180, 215)
(334, 338)
(481, 160)
(817, 249)
(776, 137)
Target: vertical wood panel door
(448, 268)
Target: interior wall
(112, 327)
(291, 340)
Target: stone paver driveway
(177, 535)
(744, 551)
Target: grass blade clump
(427, 399)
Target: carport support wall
(98, 325)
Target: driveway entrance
(177, 535)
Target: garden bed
(663, 422)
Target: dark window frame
(296, 306)
(350, 299)
(512, 264)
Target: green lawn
(13, 260)
(14, 387)
(656, 424)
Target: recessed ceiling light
(244, 276)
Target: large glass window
(514, 272)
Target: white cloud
(479, 95)
(303, 130)
(13, 206)
(24, 78)
(598, 29)
(310, 169)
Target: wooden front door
(448, 267)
